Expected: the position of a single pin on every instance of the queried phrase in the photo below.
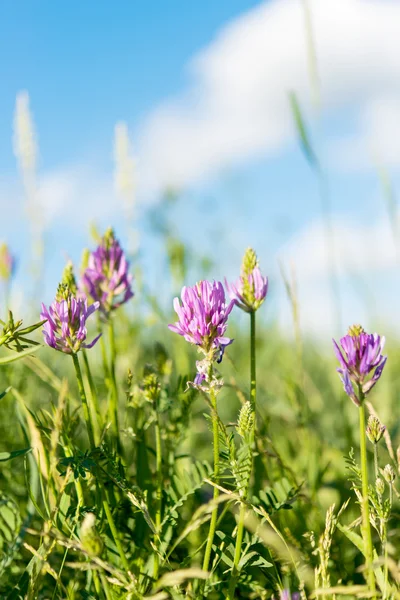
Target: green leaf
(302, 132)
(9, 455)
(5, 392)
(9, 359)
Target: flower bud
(91, 541)
(375, 429)
(379, 486)
(389, 474)
(245, 422)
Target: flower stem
(253, 380)
(376, 465)
(114, 532)
(93, 395)
(366, 526)
(214, 514)
(159, 491)
(85, 406)
(114, 394)
(89, 426)
(242, 513)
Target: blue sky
(203, 88)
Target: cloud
(358, 248)
(71, 196)
(366, 263)
(235, 106)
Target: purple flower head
(7, 263)
(286, 595)
(203, 317)
(106, 278)
(360, 355)
(250, 290)
(65, 328)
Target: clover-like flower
(106, 278)
(250, 290)
(360, 355)
(65, 327)
(203, 317)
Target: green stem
(253, 380)
(89, 426)
(214, 514)
(242, 514)
(376, 465)
(159, 492)
(114, 532)
(85, 406)
(106, 586)
(114, 388)
(366, 526)
(94, 397)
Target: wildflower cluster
(106, 279)
(250, 290)
(359, 356)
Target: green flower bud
(91, 540)
(375, 429)
(245, 422)
(379, 486)
(355, 330)
(389, 474)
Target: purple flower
(250, 290)
(106, 278)
(286, 595)
(203, 317)
(65, 328)
(360, 355)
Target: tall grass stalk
(214, 514)
(242, 513)
(366, 527)
(89, 425)
(159, 491)
(113, 380)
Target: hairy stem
(94, 397)
(159, 491)
(114, 388)
(85, 406)
(242, 513)
(114, 532)
(89, 426)
(366, 526)
(214, 514)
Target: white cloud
(366, 265)
(235, 106)
(358, 248)
(68, 195)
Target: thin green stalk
(376, 464)
(94, 396)
(159, 492)
(106, 587)
(114, 388)
(366, 526)
(253, 380)
(96, 581)
(89, 426)
(85, 406)
(242, 513)
(214, 514)
(114, 532)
